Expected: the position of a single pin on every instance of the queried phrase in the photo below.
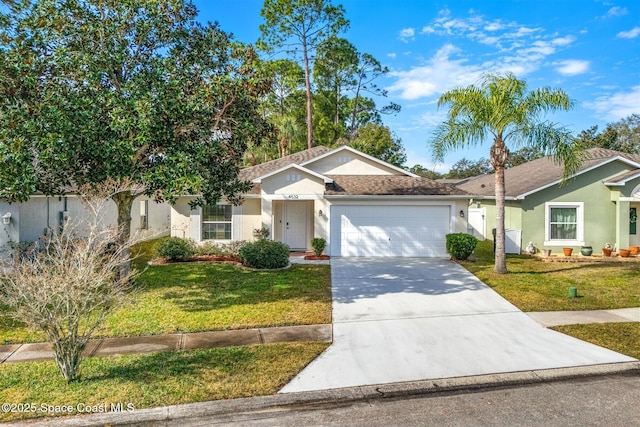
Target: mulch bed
(317, 258)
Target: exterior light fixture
(6, 218)
(461, 213)
(320, 212)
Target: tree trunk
(124, 202)
(498, 157)
(307, 84)
(501, 256)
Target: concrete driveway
(409, 319)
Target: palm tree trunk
(501, 257)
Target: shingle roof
(354, 184)
(384, 185)
(256, 171)
(538, 173)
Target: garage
(375, 230)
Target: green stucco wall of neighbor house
(601, 207)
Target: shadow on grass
(165, 365)
(206, 287)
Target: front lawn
(621, 337)
(533, 285)
(205, 296)
(157, 379)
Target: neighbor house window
(564, 224)
(216, 222)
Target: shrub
(176, 249)
(261, 233)
(233, 248)
(461, 245)
(318, 244)
(265, 254)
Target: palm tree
(289, 131)
(502, 108)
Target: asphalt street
(610, 401)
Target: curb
(334, 397)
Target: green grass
(206, 296)
(534, 285)
(620, 337)
(158, 379)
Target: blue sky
(589, 48)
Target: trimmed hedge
(265, 254)
(318, 244)
(176, 249)
(461, 245)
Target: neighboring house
(361, 205)
(28, 221)
(593, 208)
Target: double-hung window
(216, 222)
(564, 224)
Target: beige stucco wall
(347, 163)
(251, 219)
(278, 184)
(180, 218)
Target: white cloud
(407, 34)
(563, 41)
(617, 105)
(616, 11)
(631, 34)
(439, 75)
(392, 55)
(572, 67)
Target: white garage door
(383, 230)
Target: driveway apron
(410, 319)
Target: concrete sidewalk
(557, 318)
(13, 353)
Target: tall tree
(333, 71)
(138, 91)
(464, 168)
(378, 141)
(367, 71)
(301, 26)
(623, 135)
(503, 109)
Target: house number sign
(291, 196)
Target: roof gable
(334, 162)
(536, 175)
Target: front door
(295, 224)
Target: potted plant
(606, 251)
(634, 250)
(567, 251)
(624, 252)
(586, 250)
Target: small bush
(233, 248)
(461, 245)
(176, 249)
(209, 248)
(265, 254)
(261, 233)
(318, 244)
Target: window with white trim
(564, 224)
(216, 222)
